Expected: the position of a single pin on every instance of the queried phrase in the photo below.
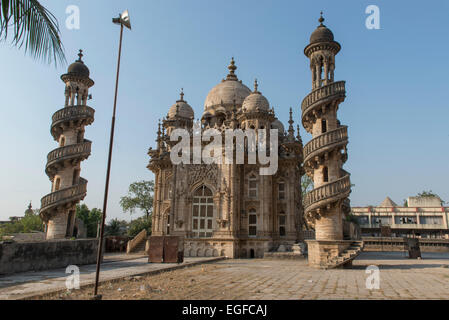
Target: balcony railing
(328, 138)
(329, 190)
(335, 88)
(69, 151)
(64, 195)
(72, 113)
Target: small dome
(321, 33)
(276, 124)
(181, 109)
(29, 210)
(228, 91)
(78, 67)
(255, 101)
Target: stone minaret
(325, 154)
(63, 163)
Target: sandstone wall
(34, 256)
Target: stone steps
(346, 256)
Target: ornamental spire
(321, 19)
(181, 95)
(256, 85)
(232, 67)
(80, 55)
(291, 131)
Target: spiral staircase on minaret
(324, 155)
(63, 163)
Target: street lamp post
(123, 20)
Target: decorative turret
(63, 164)
(326, 153)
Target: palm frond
(34, 27)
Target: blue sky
(396, 105)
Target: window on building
(62, 141)
(323, 126)
(57, 183)
(203, 213)
(76, 174)
(325, 174)
(431, 220)
(168, 223)
(252, 223)
(282, 223)
(281, 190)
(252, 186)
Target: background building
(423, 217)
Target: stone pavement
(400, 278)
(28, 284)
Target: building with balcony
(423, 217)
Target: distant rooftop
(424, 202)
(388, 203)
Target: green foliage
(352, 218)
(429, 194)
(30, 222)
(140, 196)
(116, 227)
(34, 26)
(138, 225)
(90, 218)
(306, 185)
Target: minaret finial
(182, 94)
(291, 131)
(80, 55)
(232, 67)
(256, 85)
(321, 19)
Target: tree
(116, 227)
(90, 218)
(29, 223)
(429, 194)
(140, 196)
(138, 225)
(34, 26)
(306, 185)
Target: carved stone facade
(63, 164)
(228, 209)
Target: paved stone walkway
(26, 284)
(400, 278)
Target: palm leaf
(34, 27)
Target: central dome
(227, 91)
